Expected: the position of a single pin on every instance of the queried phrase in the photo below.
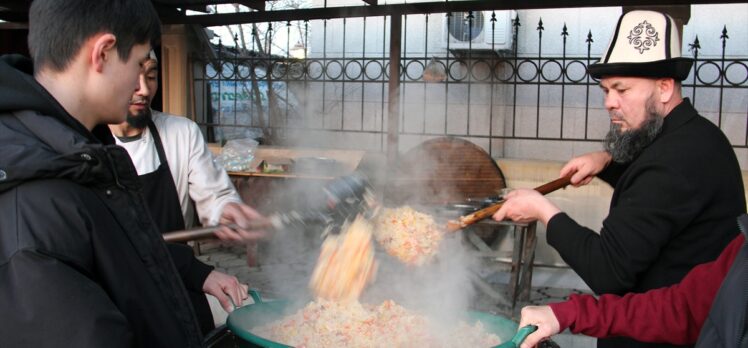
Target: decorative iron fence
(491, 97)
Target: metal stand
(520, 262)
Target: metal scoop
(344, 197)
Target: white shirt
(199, 181)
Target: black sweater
(672, 208)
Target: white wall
(707, 21)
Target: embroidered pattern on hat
(643, 36)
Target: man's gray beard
(139, 121)
(624, 147)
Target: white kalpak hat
(645, 44)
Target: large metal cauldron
(242, 320)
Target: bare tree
(259, 51)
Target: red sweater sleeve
(672, 315)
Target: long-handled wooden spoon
(464, 221)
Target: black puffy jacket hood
(40, 140)
(78, 223)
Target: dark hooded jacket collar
(20, 91)
(41, 140)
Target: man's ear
(103, 50)
(667, 89)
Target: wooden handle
(207, 232)
(192, 234)
(479, 215)
(554, 185)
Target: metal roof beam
(409, 8)
(190, 4)
(14, 16)
(16, 5)
(15, 10)
(258, 5)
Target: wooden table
(273, 192)
(269, 192)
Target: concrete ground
(283, 272)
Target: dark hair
(58, 28)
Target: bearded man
(677, 183)
(179, 177)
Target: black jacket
(81, 262)
(673, 207)
(727, 323)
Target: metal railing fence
(481, 93)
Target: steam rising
(441, 289)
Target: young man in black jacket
(81, 262)
(677, 183)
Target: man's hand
(242, 215)
(524, 205)
(585, 167)
(544, 319)
(226, 289)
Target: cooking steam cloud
(441, 289)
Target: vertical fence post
(343, 78)
(404, 55)
(306, 111)
(515, 73)
(564, 33)
(469, 65)
(324, 68)
(425, 64)
(270, 93)
(540, 76)
(722, 74)
(493, 69)
(363, 74)
(448, 69)
(695, 46)
(234, 74)
(289, 62)
(210, 117)
(589, 42)
(384, 76)
(393, 109)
